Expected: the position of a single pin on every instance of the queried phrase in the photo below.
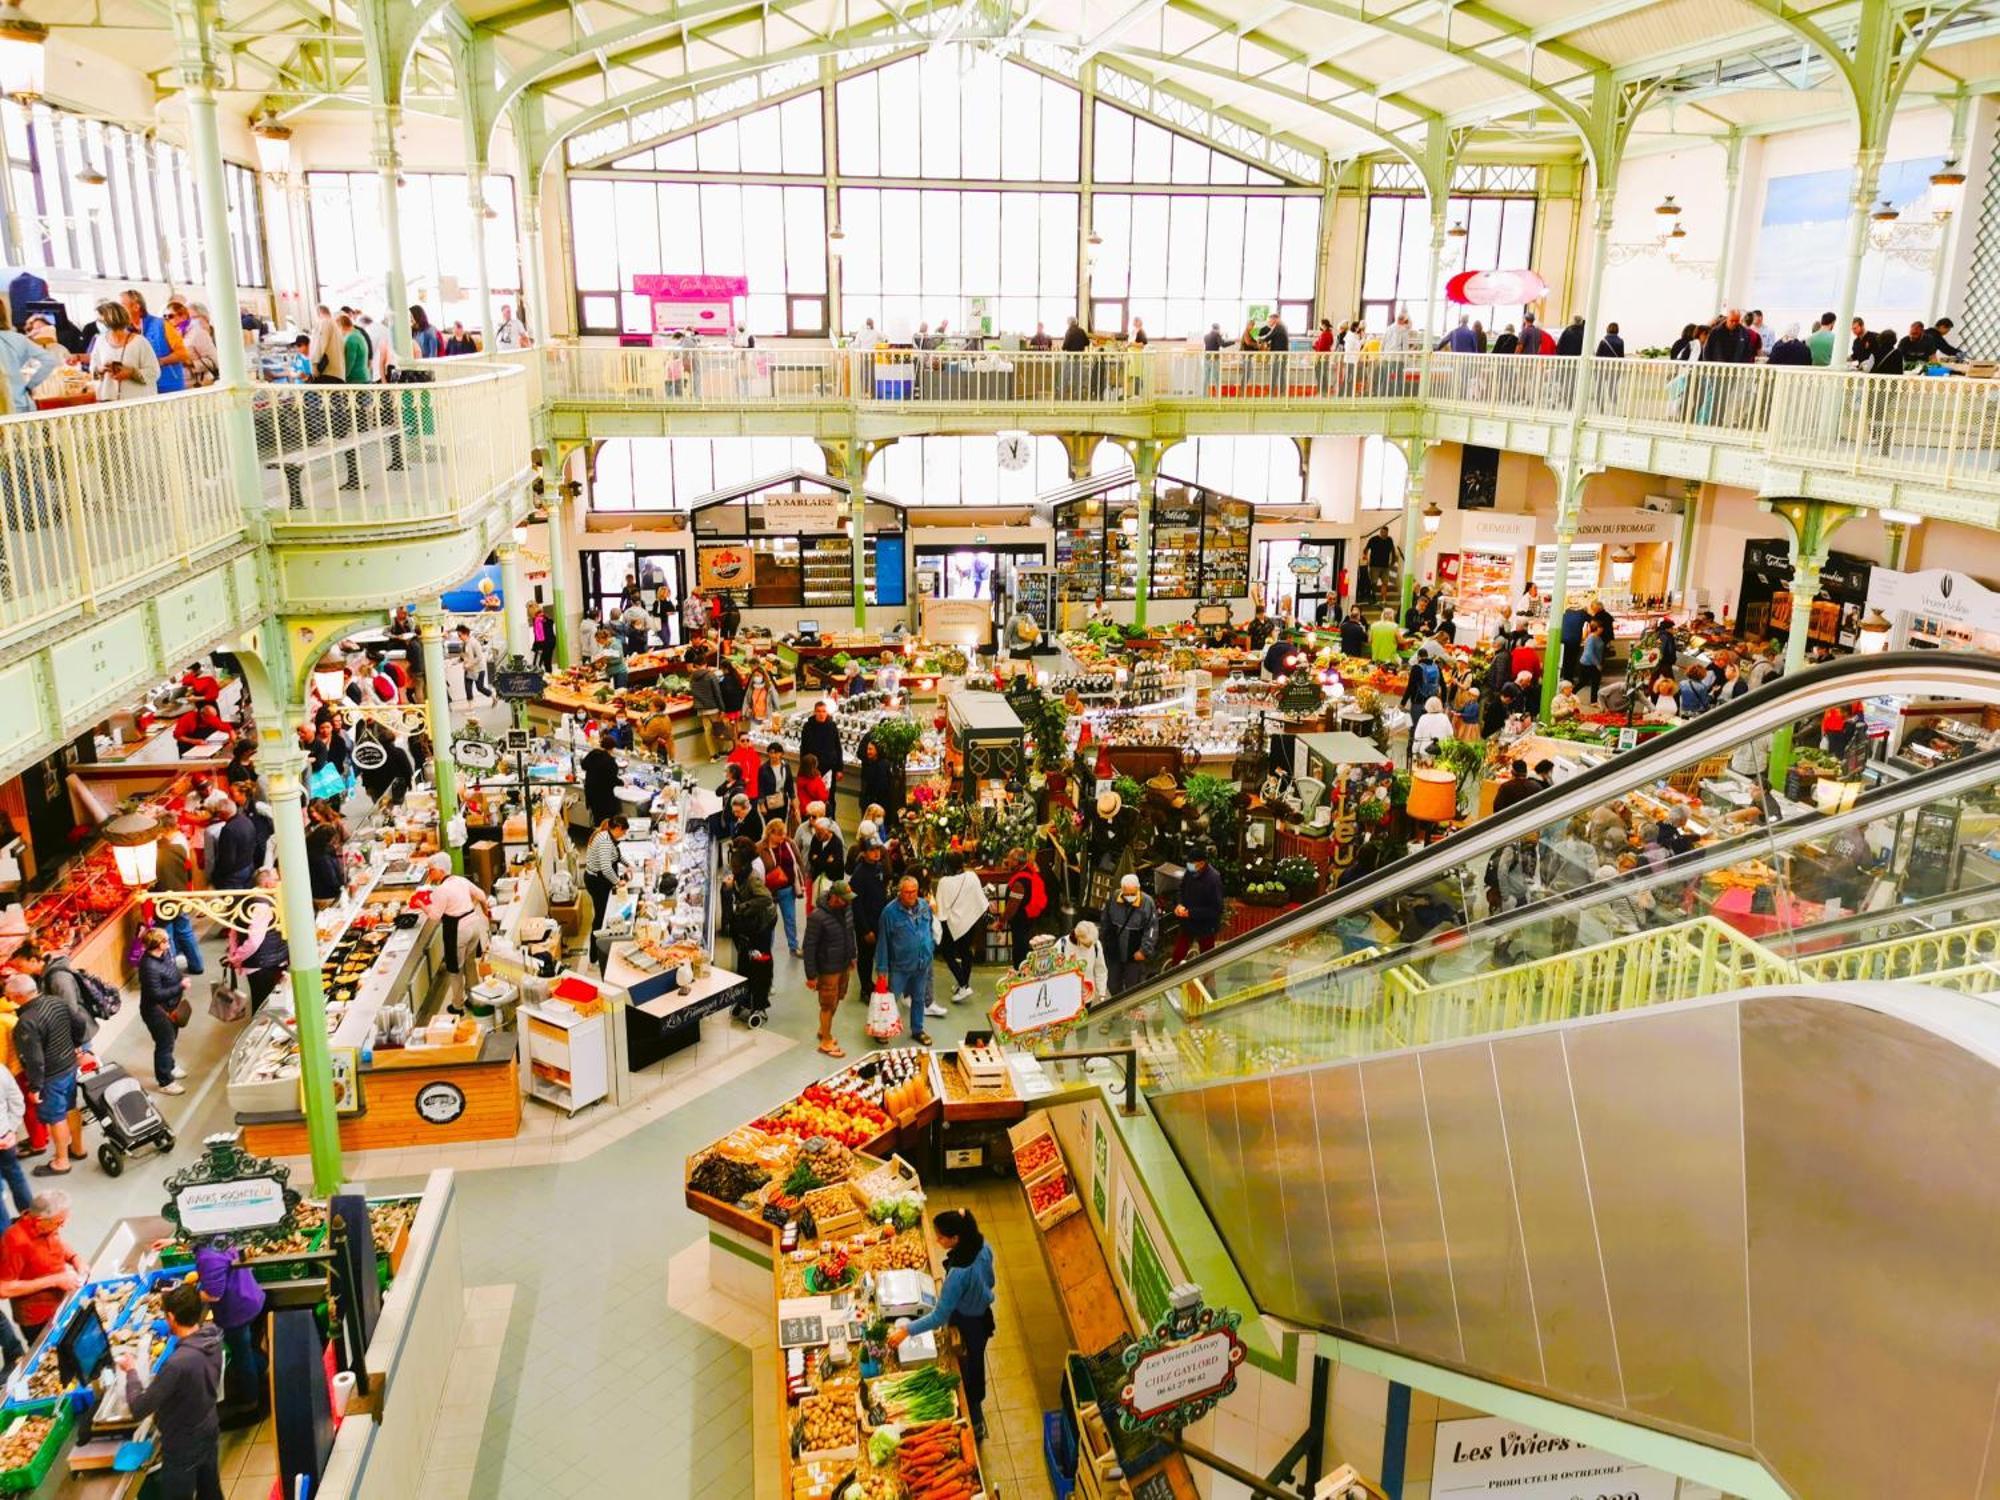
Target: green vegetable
(802, 1179)
(882, 1443)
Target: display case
(1080, 549)
(1225, 548)
(828, 571)
(1177, 528)
(780, 578)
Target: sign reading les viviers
(1184, 1372)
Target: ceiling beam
(1292, 56)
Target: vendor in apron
(464, 911)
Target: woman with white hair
(1433, 727)
(464, 911)
(1083, 946)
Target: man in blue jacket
(1200, 906)
(905, 946)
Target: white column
(475, 196)
(538, 322)
(514, 600)
(388, 167)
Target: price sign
(230, 1207)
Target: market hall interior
(1143, 747)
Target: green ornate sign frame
(223, 1163)
(1188, 1321)
(1042, 964)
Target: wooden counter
(485, 1095)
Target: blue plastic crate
(1059, 1453)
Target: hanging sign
(475, 752)
(1936, 594)
(371, 755)
(518, 683)
(1307, 564)
(228, 1191)
(1044, 997)
(1492, 1456)
(788, 513)
(732, 565)
(1176, 1373)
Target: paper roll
(343, 1392)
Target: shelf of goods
(1176, 549)
(1225, 554)
(37, 1417)
(808, 1192)
(1080, 550)
(1200, 739)
(856, 716)
(1104, 1449)
(829, 571)
(422, 1077)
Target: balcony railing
(1938, 431)
(99, 500)
(365, 455)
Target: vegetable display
(731, 1181)
(1046, 1194)
(829, 1419)
(832, 1271)
(936, 1461)
(1037, 1156)
(924, 1395)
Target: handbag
(228, 1003)
(182, 1012)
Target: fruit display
(1049, 1192)
(928, 1394)
(937, 1461)
(818, 1111)
(387, 1221)
(1036, 1156)
(722, 1177)
(832, 1271)
(905, 1252)
(829, 1421)
(23, 1440)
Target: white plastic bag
(885, 1020)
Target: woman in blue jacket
(965, 1301)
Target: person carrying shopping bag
(905, 948)
(778, 866)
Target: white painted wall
(1650, 297)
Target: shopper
(13, 1126)
(1200, 906)
(878, 784)
(1129, 930)
(122, 364)
(603, 867)
(965, 1302)
(752, 921)
(906, 946)
(1590, 659)
(963, 912)
(24, 363)
(778, 866)
(601, 776)
(235, 1299)
(51, 1031)
(541, 630)
(864, 877)
(1083, 945)
(706, 692)
(180, 1398)
(826, 856)
(1432, 729)
(424, 338)
(260, 953)
(1027, 899)
(162, 992)
(777, 787)
(472, 653)
(819, 737)
(38, 1269)
(829, 955)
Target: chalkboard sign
(1158, 1486)
(518, 684)
(1933, 850)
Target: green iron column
(284, 777)
(857, 522)
(1415, 457)
(194, 31)
(557, 496)
(1684, 558)
(514, 600)
(1145, 466)
(444, 775)
(1812, 524)
(537, 321)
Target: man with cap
(1128, 931)
(829, 952)
(1200, 906)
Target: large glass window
(965, 471)
(345, 210)
(1185, 261)
(673, 473)
(1128, 149)
(924, 255)
(141, 223)
(959, 113)
(1385, 474)
(784, 140)
(1499, 236)
(1265, 470)
(771, 234)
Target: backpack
(98, 997)
(1426, 682)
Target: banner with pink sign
(698, 304)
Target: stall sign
(1176, 1373)
(1044, 997)
(475, 752)
(231, 1207)
(1492, 1456)
(802, 513)
(1307, 564)
(518, 684)
(1496, 531)
(1628, 525)
(731, 565)
(371, 755)
(1936, 594)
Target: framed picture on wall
(1478, 477)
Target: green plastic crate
(30, 1475)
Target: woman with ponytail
(965, 1301)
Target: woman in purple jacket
(237, 1303)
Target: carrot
(965, 1445)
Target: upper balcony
(1927, 445)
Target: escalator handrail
(1783, 700)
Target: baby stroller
(125, 1112)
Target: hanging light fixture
(1093, 246)
(1432, 518)
(89, 176)
(134, 837)
(1675, 242)
(1882, 224)
(23, 54)
(1457, 231)
(836, 242)
(274, 144)
(1667, 209)
(1872, 635)
(1947, 190)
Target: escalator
(1646, 1136)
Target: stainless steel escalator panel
(1572, 1305)
(1489, 1264)
(1639, 1213)
(1659, 1118)
(1412, 1218)
(1875, 1221)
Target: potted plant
(1465, 759)
(1213, 799)
(896, 738)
